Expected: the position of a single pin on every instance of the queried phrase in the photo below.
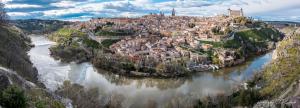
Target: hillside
(19, 85)
(13, 50)
(280, 79)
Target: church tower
(173, 12)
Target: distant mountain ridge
(283, 23)
(39, 26)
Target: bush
(246, 97)
(114, 32)
(232, 44)
(13, 97)
(242, 98)
(91, 43)
(108, 42)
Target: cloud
(60, 12)
(14, 6)
(131, 14)
(74, 9)
(18, 14)
(65, 4)
(5, 1)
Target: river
(138, 92)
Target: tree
(191, 25)
(3, 16)
(227, 30)
(216, 30)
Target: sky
(81, 10)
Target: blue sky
(288, 10)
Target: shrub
(108, 42)
(91, 43)
(246, 97)
(13, 97)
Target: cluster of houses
(166, 37)
(161, 48)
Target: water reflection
(133, 92)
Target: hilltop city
(154, 41)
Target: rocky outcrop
(4, 79)
(9, 77)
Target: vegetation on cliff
(13, 52)
(19, 85)
(72, 45)
(284, 69)
(15, 89)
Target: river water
(137, 92)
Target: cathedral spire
(173, 12)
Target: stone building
(235, 13)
